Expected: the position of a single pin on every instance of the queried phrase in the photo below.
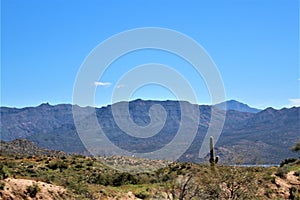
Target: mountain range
(250, 135)
(238, 106)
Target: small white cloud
(120, 86)
(298, 79)
(294, 102)
(97, 83)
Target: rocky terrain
(258, 136)
(38, 176)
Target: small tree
(185, 187)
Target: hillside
(81, 177)
(263, 137)
(25, 147)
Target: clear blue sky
(254, 43)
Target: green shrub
(98, 178)
(3, 172)
(57, 165)
(79, 187)
(52, 165)
(2, 185)
(142, 194)
(90, 163)
(294, 194)
(102, 191)
(281, 172)
(33, 189)
(287, 161)
(30, 171)
(123, 179)
(273, 180)
(269, 192)
(79, 166)
(10, 164)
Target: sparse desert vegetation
(81, 177)
(162, 100)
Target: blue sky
(254, 43)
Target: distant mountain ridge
(264, 137)
(238, 106)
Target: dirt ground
(17, 189)
(282, 185)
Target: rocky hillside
(25, 147)
(81, 177)
(262, 137)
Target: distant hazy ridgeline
(259, 136)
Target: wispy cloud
(294, 102)
(97, 83)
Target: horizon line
(137, 99)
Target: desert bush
(184, 187)
(269, 192)
(123, 179)
(10, 164)
(268, 176)
(294, 194)
(33, 189)
(39, 159)
(30, 170)
(89, 163)
(101, 179)
(52, 165)
(79, 166)
(17, 157)
(57, 165)
(2, 185)
(3, 172)
(287, 161)
(142, 194)
(224, 183)
(78, 186)
(282, 172)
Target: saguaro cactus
(213, 160)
